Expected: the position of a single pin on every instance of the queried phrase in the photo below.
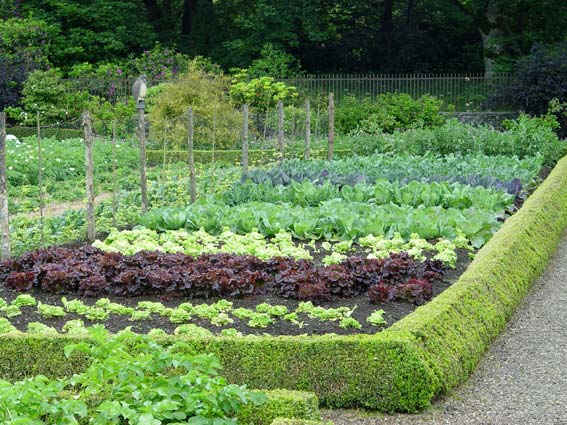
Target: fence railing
(465, 92)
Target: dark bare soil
(394, 311)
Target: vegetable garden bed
(387, 369)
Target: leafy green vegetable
(377, 318)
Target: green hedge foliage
(292, 405)
(285, 421)
(456, 327)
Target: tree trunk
(387, 22)
(189, 12)
(490, 33)
(154, 13)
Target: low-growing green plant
(230, 332)
(221, 320)
(190, 329)
(222, 306)
(151, 306)
(140, 315)
(263, 308)
(277, 310)
(205, 311)
(333, 258)
(243, 313)
(349, 323)
(153, 384)
(156, 333)
(260, 320)
(49, 311)
(11, 310)
(377, 318)
(24, 300)
(95, 314)
(75, 306)
(6, 326)
(75, 327)
(119, 309)
(178, 315)
(40, 328)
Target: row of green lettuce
(130, 242)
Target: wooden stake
(142, 138)
(307, 129)
(87, 126)
(331, 126)
(4, 217)
(40, 183)
(114, 203)
(281, 130)
(244, 143)
(191, 158)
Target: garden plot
(308, 247)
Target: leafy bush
(389, 112)
(150, 384)
(538, 78)
(29, 39)
(274, 62)
(262, 93)
(45, 92)
(215, 115)
(13, 74)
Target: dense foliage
(389, 112)
(152, 384)
(355, 36)
(472, 169)
(92, 272)
(538, 79)
(523, 137)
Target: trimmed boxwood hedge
(234, 156)
(295, 405)
(400, 369)
(456, 327)
(284, 421)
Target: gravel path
(523, 378)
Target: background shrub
(538, 78)
(389, 112)
(215, 114)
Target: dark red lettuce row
(92, 272)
